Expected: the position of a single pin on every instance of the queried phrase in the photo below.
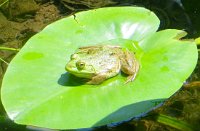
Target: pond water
(17, 28)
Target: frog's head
(80, 68)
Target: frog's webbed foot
(130, 78)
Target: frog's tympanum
(98, 63)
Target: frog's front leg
(98, 79)
(129, 65)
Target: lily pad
(37, 90)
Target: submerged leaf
(37, 90)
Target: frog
(100, 62)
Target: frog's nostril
(73, 56)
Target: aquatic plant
(37, 91)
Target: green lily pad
(37, 90)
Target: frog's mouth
(89, 73)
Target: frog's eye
(80, 65)
(73, 56)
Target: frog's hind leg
(135, 70)
(130, 66)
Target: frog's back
(103, 58)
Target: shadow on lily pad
(130, 111)
(67, 79)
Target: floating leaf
(37, 90)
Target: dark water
(177, 14)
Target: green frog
(98, 63)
